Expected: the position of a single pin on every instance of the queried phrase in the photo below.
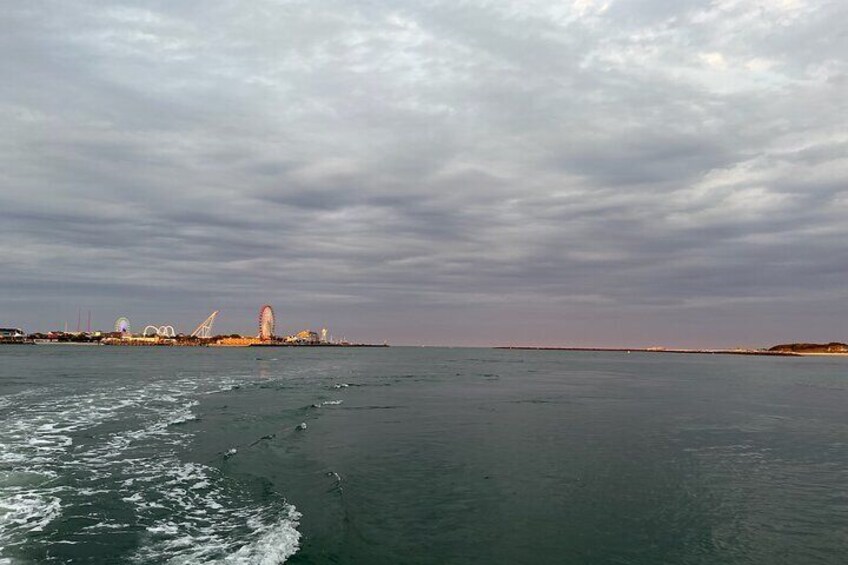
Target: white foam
(107, 526)
(169, 529)
(28, 510)
(274, 545)
(327, 403)
(207, 512)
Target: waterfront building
(236, 341)
(125, 339)
(12, 333)
(305, 337)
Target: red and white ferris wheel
(266, 322)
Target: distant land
(166, 335)
(783, 350)
(833, 348)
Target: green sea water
(414, 455)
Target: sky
(479, 172)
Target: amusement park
(156, 334)
(204, 335)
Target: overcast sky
(583, 172)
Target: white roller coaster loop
(161, 331)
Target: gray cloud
(586, 172)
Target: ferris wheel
(122, 325)
(266, 322)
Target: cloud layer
(586, 172)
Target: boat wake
(103, 468)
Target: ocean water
(412, 455)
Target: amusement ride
(266, 323)
(122, 325)
(204, 330)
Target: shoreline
(669, 350)
(754, 352)
(170, 344)
(821, 354)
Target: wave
(188, 512)
(327, 403)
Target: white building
(12, 333)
